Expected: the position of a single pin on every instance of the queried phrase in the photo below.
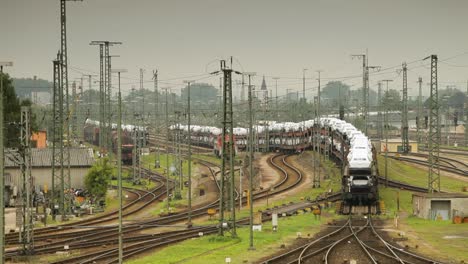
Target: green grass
(437, 234)
(209, 158)
(389, 196)
(214, 249)
(400, 171)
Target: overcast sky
(269, 37)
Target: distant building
(39, 139)
(81, 160)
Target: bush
(98, 178)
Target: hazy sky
(269, 37)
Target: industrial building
(395, 145)
(81, 159)
(440, 206)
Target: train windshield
(360, 172)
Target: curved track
(138, 244)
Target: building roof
(441, 195)
(79, 157)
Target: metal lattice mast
(364, 90)
(434, 131)
(379, 111)
(156, 118)
(108, 102)
(316, 181)
(105, 85)
(64, 83)
(58, 201)
(404, 114)
(386, 127)
(104, 94)
(74, 117)
(466, 116)
(227, 194)
(26, 192)
(101, 98)
(418, 123)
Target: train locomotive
(343, 142)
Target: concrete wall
(43, 176)
(422, 206)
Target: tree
(98, 178)
(392, 100)
(332, 91)
(200, 92)
(12, 113)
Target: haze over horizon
(183, 39)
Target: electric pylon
(418, 124)
(58, 181)
(379, 111)
(26, 187)
(404, 114)
(227, 154)
(434, 131)
(104, 94)
(466, 116)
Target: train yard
(94, 240)
(210, 158)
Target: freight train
(91, 135)
(339, 139)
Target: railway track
(446, 164)
(55, 237)
(291, 178)
(354, 239)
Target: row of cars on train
(343, 142)
(130, 133)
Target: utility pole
(64, 86)
(156, 115)
(318, 118)
(251, 153)
(379, 109)
(386, 134)
(365, 88)
(418, 124)
(276, 96)
(2, 167)
(316, 156)
(189, 159)
(104, 93)
(466, 115)
(74, 117)
(227, 152)
(167, 152)
(119, 165)
(303, 84)
(434, 130)
(404, 125)
(58, 177)
(26, 231)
